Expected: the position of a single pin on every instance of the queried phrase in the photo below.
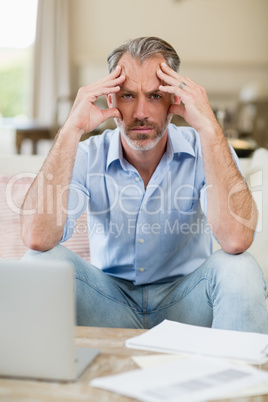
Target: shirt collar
(115, 151)
(180, 140)
(177, 143)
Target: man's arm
(44, 210)
(231, 211)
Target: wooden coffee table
(114, 358)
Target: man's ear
(109, 99)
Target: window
(17, 36)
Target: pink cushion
(12, 193)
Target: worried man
(155, 195)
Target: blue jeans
(226, 291)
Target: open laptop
(37, 322)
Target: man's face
(143, 107)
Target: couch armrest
(13, 164)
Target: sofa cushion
(12, 193)
(257, 179)
(255, 171)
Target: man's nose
(141, 109)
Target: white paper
(189, 380)
(146, 361)
(174, 337)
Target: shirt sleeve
(78, 194)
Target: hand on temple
(85, 116)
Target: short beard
(139, 144)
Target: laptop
(37, 322)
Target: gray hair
(144, 48)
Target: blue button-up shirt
(142, 235)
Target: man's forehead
(140, 73)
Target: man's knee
(238, 292)
(237, 272)
(235, 262)
(58, 252)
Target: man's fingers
(169, 71)
(177, 109)
(116, 81)
(112, 112)
(117, 71)
(109, 84)
(173, 89)
(115, 75)
(177, 99)
(167, 78)
(104, 84)
(171, 77)
(102, 91)
(92, 92)
(166, 69)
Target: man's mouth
(143, 129)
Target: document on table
(188, 379)
(146, 361)
(174, 337)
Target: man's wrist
(71, 130)
(211, 130)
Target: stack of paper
(174, 337)
(194, 378)
(188, 380)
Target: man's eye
(127, 96)
(156, 96)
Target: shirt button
(141, 269)
(141, 241)
(137, 179)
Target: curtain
(51, 75)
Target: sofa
(18, 171)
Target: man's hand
(190, 102)
(85, 116)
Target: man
(155, 193)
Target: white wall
(222, 43)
